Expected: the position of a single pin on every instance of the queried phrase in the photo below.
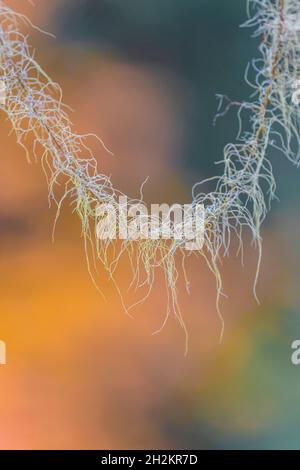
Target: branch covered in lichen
(242, 194)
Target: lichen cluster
(242, 194)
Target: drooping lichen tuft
(242, 195)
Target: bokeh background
(143, 75)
